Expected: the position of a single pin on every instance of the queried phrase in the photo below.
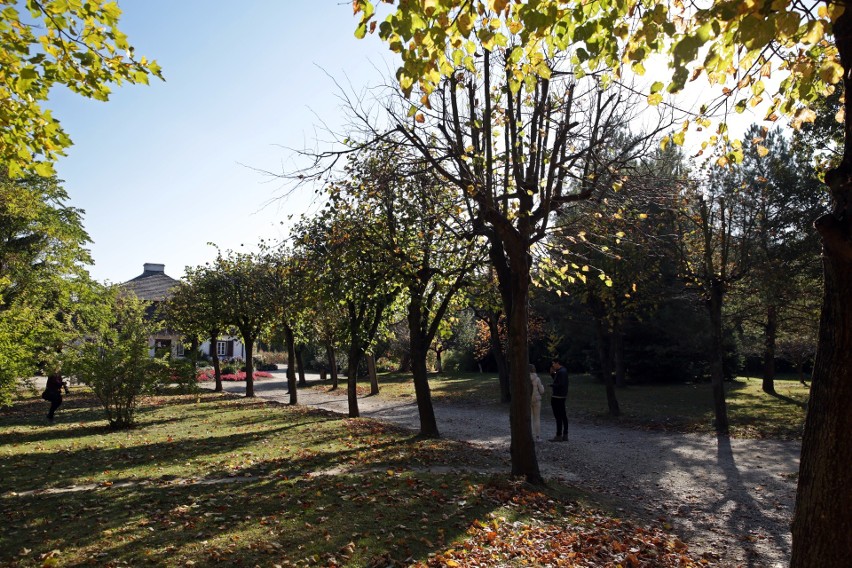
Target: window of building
(221, 348)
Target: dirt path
(729, 498)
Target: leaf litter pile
(211, 479)
(556, 534)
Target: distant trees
(786, 197)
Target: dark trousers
(561, 415)
(55, 401)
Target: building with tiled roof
(153, 285)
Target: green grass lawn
(213, 479)
(685, 407)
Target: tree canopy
(44, 43)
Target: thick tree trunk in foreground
(822, 523)
(717, 371)
(524, 460)
(770, 335)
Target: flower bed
(209, 375)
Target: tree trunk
(291, 360)
(822, 521)
(355, 355)
(249, 344)
(618, 355)
(419, 352)
(300, 366)
(438, 362)
(770, 334)
(499, 357)
(405, 363)
(214, 356)
(717, 371)
(371, 371)
(332, 363)
(604, 349)
(522, 449)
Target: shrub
(459, 361)
(113, 359)
(182, 373)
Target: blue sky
(162, 170)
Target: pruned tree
(518, 151)
(247, 303)
(429, 248)
(337, 240)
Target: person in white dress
(535, 402)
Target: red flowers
(208, 375)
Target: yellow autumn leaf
(831, 72)
(465, 24)
(762, 150)
(498, 5)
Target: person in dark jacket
(558, 399)
(53, 393)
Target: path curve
(729, 498)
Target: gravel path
(731, 499)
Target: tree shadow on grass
(789, 400)
(128, 453)
(307, 518)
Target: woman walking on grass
(53, 393)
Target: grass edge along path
(681, 407)
(313, 489)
